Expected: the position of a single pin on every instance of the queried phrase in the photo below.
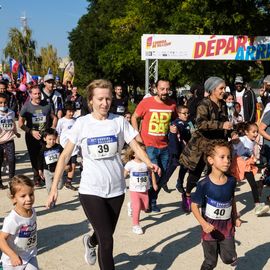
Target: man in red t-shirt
(156, 113)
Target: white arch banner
(205, 47)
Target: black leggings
(252, 182)
(9, 149)
(194, 176)
(103, 214)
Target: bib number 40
(219, 212)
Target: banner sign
(205, 47)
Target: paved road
(171, 239)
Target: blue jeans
(159, 156)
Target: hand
(18, 135)
(52, 198)
(154, 168)
(36, 134)
(155, 187)
(15, 260)
(41, 174)
(238, 222)
(207, 228)
(227, 125)
(173, 129)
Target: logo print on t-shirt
(159, 122)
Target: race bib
(139, 179)
(7, 125)
(27, 237)
(218, 210)
(120, 109)
(51, 156)
(102, 147)
(38, 119)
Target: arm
(54, 120)
(143, 156)
(262, 128)
(34, 133)
(14, 258)
(60, 167)
(235, 216)
(134, 122)
(207, 227)
(154, 181)
(126, 173)
(59, 114)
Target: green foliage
(107, 40)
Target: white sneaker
(261, 208)
(90, 255)
(129, 209)
(137, 229)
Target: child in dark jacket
(177, 142)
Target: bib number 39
(103, 148)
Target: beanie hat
(211, 83)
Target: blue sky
(50, 21)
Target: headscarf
(211, 83)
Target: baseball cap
(238, 79)
(267, 79)
(48, 77)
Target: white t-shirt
(239, 99)
(63, 128)
(101, 142)
(139, 176)
(245, 147)
(23, 236)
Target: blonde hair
(129, 154)
(19, 180)
(100, 83)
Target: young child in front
(138, 186)
(177, 142)
(63, 127)
(47, 160)
(18, 237)
(8, 131)
(244, 162)
(218, 216)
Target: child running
(63, 127)
(244, 161)
(215, 196)
(138, 186)
(47, 160)
(8, 131)
(18, 238)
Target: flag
(22, 73)
(68, 73)
(49, 71)
(29, 77)
(14, 65)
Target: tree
(49, 59)
(22, 47)
(106, 41)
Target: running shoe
(166, 189)
(261, 208)
(184, 202)
(129, 209)
(137, 229)
(70, 186)
(90, 255)
(188, 204)
(3, 186)
(180, 189)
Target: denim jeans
(159, 156)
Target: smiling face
(35, 95)
(101, 101)
(50, 140)
(219, 91)
(252, 132)
(163, 89)
(24, 198)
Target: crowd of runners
(219, 133)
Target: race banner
(205, 47)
